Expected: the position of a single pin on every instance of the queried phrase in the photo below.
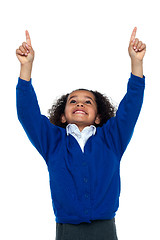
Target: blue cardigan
(84, 186)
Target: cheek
(94, 111)
(68, 110)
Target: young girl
(82, 144)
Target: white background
(77, 44)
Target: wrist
(25, 72)
(137, 68)
(136, 61)
(27, 65)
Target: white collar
(73, 128)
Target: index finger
(133, 34)
(28, 39)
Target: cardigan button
(86, 196)
(84, 163)
(86, 212)
(85, 180)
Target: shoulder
(55, 128)
(105, 128)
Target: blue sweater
(84, 186)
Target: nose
(79, 104)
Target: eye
(88, 102)
(72, 101)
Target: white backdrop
(78, 44)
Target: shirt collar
(72, 128)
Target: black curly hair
(105, 108)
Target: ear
(63, 118)
(98, 120)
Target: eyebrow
(84, 96)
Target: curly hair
(105, 108)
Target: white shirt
(83, 136)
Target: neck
(82, 127)
(79, 127)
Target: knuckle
(24, 44)
(22, 49)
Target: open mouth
(79, 112)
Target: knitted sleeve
(119, 129)
(42, 134)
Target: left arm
(120, 128)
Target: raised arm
(119, 129)
(42, 134)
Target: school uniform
(84, 173)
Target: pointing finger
(133, 34)
(28, 39)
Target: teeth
(80, 112)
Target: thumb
(28, 39)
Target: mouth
(79, 112)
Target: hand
(25, 53)
(136, 48)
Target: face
(81, 109)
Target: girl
(82, 144)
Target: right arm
(42, 134)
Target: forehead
(82, 93)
